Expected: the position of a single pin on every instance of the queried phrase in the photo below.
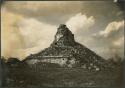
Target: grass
(64, 77)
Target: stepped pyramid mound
(65, 51)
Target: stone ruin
(66, 52)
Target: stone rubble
(74, 54)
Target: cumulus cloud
(119, 42)
(11, 39)
(112, 28)
(28, 27)
(113, 31)
(111, 38)
(80, 22)
(37, 35)
(81, 25)
(22, 36)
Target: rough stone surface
(64, 45)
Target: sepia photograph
(62, 44)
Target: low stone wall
(60, 61)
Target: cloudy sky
(28, 27)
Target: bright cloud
(80, 22)
(12, 41)
(29, 27)
(112, 28)
(37, 35)
(112, 38)
(119, 42)
(30, 36)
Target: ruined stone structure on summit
(65, 51)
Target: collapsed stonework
(64, 37)
(66, 52)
